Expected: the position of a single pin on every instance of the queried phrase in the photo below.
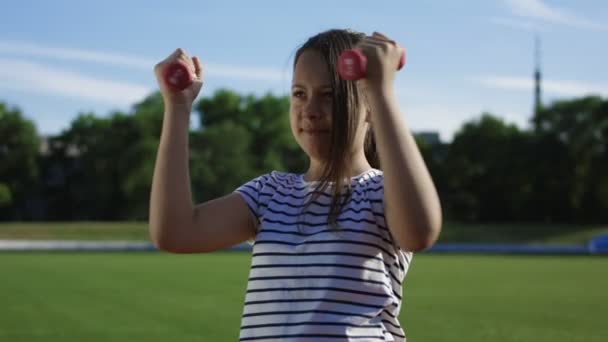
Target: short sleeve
(375, 193)
(250, 192)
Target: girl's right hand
(177, 98)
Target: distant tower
(537, 77)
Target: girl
(332, 245)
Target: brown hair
(347, 100)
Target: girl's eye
(328, 95)
(298, 93)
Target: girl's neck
(315, 169)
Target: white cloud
(34, 77)
(110, 58)
(555, 87)
(22, 48)
(518, 24)
(539, 10)
(534, 9)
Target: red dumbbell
(178, 76)
(352, 64)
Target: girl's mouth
(315, 131)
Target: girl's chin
(317, 152)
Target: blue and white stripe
(309, 282)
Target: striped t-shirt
(311, 282)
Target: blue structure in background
(599, 245)
(508, 249)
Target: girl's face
(311, 105)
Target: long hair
(346, 111)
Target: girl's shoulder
(369, 178)
(281, 176)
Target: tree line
(100, 168)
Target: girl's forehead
(311, 69)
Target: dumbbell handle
(178, 77)
(352, 64)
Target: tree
(92, 186)
(6, 198)
(220, 160)
(580, 127)
(100, 168)
(224, 105)
(267, 120)
(19, 147)
(487, 178)
(141, 154)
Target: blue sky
(62, 57)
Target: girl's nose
(312, 110)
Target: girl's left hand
(383, 55)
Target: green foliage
(490, 157)
(19, 145)
(220, 160)
(241, 138)
(266, 119)
(5, 195)
(581, 125)
(103, 151)
(19, 149)
(554, 173)
(100, 168)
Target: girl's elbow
(419, 244)
(162, 240)
(165, 245)
(424, 238)
(160, 243)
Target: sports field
(151, 297)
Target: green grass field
(151, 297)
